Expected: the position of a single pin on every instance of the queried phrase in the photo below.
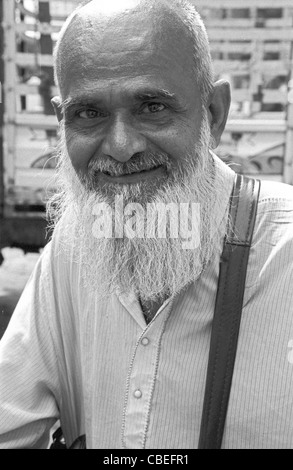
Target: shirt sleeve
(29, 392)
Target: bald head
(102, 22)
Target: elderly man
(112, 332)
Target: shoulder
(275, 203)
(61, 244)
(275, 212)
(273, 193)
(50, 279)
(274, 220)
(270, 259)
(272, 243)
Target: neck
(150, 308)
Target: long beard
(153, 268)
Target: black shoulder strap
(227, 316)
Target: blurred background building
(252, 47)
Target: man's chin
(141, 192)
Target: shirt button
(145, 341)
(137, 394)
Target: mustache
(142, 161)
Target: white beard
(153, 268)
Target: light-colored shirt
(104, 372)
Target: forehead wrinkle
(87, 26)
(91, 24)
(83, 41)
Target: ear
(56, 103)
(218, 109)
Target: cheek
(178, 142)
(80, 149)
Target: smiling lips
(134, 177)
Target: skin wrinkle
(84, 38)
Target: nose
(122, 140)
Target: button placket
(140, 385)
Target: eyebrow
(143, 95)
(154, 94)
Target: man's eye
(153, 108)
(88, 114)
